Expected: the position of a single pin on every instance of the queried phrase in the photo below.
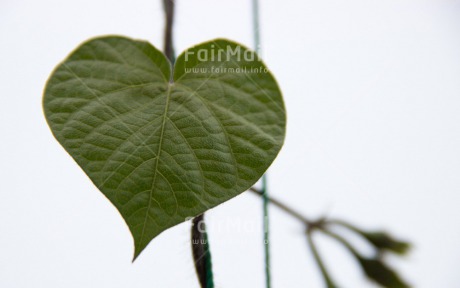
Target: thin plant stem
(168, 6)
(256, 25)
(266, 227)
(295, 214)
(266, 222)
(327, 278)
(200, 251)
(342, 240)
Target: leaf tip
(137, 251)
(136, 255)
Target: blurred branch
(297, 215)
(381, 240)
(327, 278)
(374, 268)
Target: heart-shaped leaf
(163, 147)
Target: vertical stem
(256, 34)
(168, 34)
(200, 250)
(256, 25)
(266, 232)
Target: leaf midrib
(163, 124)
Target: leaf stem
(297, 215)
(342, 240)
(327, 278)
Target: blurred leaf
(376, 270)
(384, 241)
(379, 239)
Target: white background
(372, 90)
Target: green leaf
(385, 242)
(381, 240)
(376, 270)
(164, 148)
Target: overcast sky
(372, 92)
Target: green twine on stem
(256, 34)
